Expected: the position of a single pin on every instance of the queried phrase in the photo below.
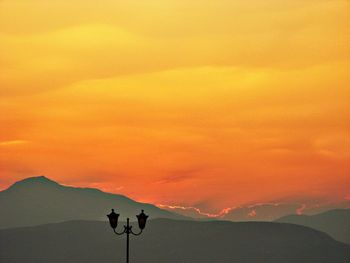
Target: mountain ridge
(334, 222)
(39, 200)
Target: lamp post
(113, 221)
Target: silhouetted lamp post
(113, 221)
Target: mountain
(172, 241)
(260, 212)
(336, 223)
(39, 200)
(268, 211)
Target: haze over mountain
(39, 200)
(268, 211)
(172, 241)
(336, 223)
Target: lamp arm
(119, 234)
(136, 234)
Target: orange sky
(205, 103)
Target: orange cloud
(12, 142)
(178, 102)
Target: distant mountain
(39, 200)
(260, 212)
(336, 223)
(268, 211)
(172, 241)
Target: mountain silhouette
(172, 241)
(335, 222)
(39, 200)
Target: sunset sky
(210, 104)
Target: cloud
(50, 52)
(256, 92)
(258, 212)
(178, 176)
(12, 142)
(334, 145)
(252, 213)
(193, 211)
(255, 212)
(301, 209)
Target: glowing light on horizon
(197, 210)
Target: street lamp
(113, 221)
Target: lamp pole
(113, 221)
(127, 239)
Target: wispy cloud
(177, 176)
(194, 211)
(259, 211)
(12, 142)
(301, 209)
(252, 213)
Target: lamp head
(142, 219)
(113, 219)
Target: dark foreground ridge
(172, 241)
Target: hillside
(39, 200)
(172, 241)
(335, 222)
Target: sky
(202, 104)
